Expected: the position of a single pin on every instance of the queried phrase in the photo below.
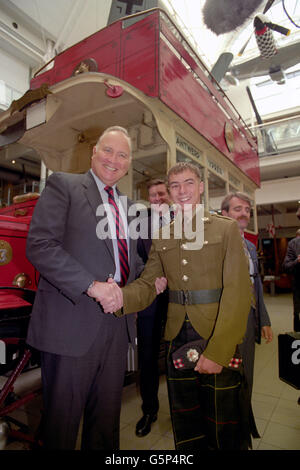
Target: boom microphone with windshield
(222, 16)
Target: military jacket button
(184, 262)
(185, 278)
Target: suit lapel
(94, 199)
(252, 252)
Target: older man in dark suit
(291, 265)
(83, 351)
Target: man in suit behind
(83, 351)
(150, 321)
(238, 206)
(291, 265)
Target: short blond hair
(183, 166)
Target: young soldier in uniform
(209, 302)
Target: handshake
(110, 295)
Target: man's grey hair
(115, 129)
(226, 201)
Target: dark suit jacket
(63, 245)
(261, 311)
(290, 263)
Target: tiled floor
(274, 402)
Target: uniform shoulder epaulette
(220, 216)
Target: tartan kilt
(208, 411)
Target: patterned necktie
(121, 236)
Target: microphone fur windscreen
(222, 16)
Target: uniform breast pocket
(168, 254)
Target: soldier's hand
(207, 366)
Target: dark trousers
(209, 411)
(149, 327)
(88, 386)
(247, 349)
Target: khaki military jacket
(220, 263)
